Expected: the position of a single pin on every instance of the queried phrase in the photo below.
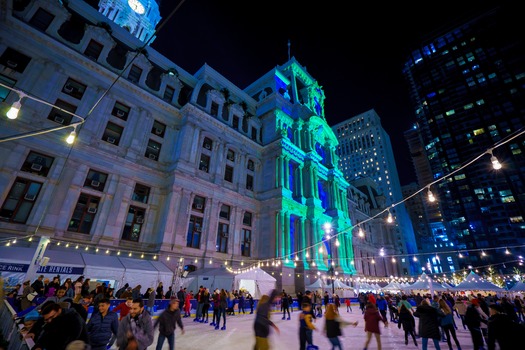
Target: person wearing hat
(473, 321)
(26, 290)
(167, 323)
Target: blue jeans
(336, 343)
(171, 341)
(425, 344)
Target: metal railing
(11, 330)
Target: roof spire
(289, 44)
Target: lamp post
(329, 235)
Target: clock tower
(139, 17)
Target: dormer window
(134, 74)
(230, 155)
(214, 110)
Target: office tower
(365, 150)
(466, 86)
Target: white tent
(318, 284)
(475, 282)
(393, 286)
(98, 267)
(105, 267)
(256, 281)
(424, 282)
(211, 278)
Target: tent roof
(475, 282)
(103, 261)
(160, 266)
(317, 284)
(339, 284)
(211, 271)
(518, 287)
(422, 283)
(257, 274)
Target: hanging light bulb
(297, 257)
(382, 252)
(107, 251)
(12, 113)
(154, 257)
(431, 197)
(67, 245)
(96, 250)
(496, 165)
(393, 260)
(361, 233)
(390, 218)
(507, 251)
(118, 253)
(320, 249)
(373, 261)
(307, 254)
(86, 248)
(129, 254)
(483, 253)
(337, 242)
(72, 136)
(196, 261)
(414, 258)
(460, 255)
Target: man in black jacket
(167, 322)
(501, 329)
(38, 285)
(62, 327)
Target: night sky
(356, 55)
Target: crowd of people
(56, 315)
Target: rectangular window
(84, 214)
(62, 117)
(254, 134)
(113, 133)
(193, 239)
(14, 60)
(247, 219)
(140, 193)
(168, 94)
(222, 238)
(228, 173)
(4, 92)
(133, 224)
(204, 163)
(207, 144)
(235, 122)
(153, 150)
(158, 129)
(93, 50)
(74, 88)
(120, 111)
(20, 201)
(225, 212)
(230, 155)
(249, 182)
(246, 242)
(134, 73)
(214, 110)
(37, 163)
(251, 165)
(96, 180)
(41, 19)
(198, 204)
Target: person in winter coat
(474, 320)
(306, 326)
(136, 329)
(102, 326)
(151, 301)
(285, 305)
(123, 308)
(332, 326)
(447, 323)
(167, 322)
(428, 323)
(502, 330)
(262, 322)
(187, 304)
(408, 322)
(159, 291)
(372, 318)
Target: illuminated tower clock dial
(136, 6)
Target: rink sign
(69, 270)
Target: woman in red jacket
(187, 304)
(372, 319)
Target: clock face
(136, 6)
